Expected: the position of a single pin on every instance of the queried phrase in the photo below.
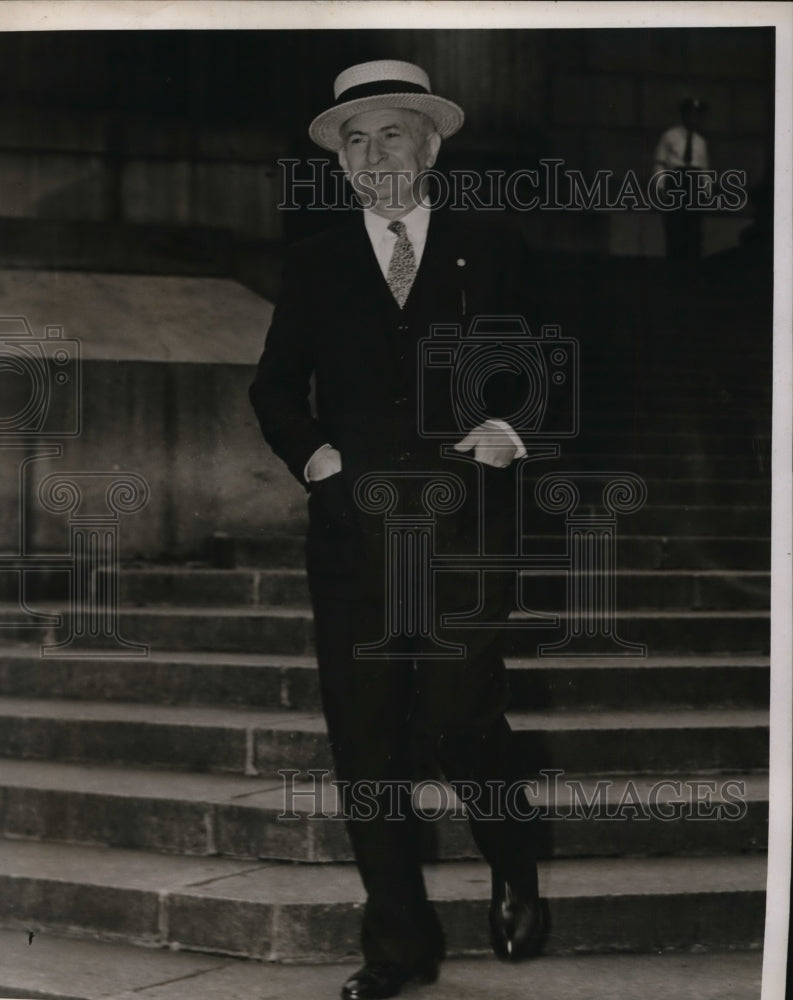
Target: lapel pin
(460, 262)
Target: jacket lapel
(437, 288)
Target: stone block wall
(97, 168)
(185, 129)
(189, 431)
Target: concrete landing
(58, 968)
(133, 317)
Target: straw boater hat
(384, 83)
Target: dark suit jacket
(336, 318)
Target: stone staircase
(142, 801)
(141, 798)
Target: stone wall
(185, 128)
(188, 430)
(156, 377)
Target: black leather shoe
(378, 980)
(517, 922)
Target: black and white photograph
(395, 466)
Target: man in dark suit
(355, 304)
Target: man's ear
(431, 146)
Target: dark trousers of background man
(683, 225)
(683, 230)
(379, 711)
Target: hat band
(378, 87)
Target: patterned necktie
(402, 267)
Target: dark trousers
(378, 712)
(683, 229)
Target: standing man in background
(683, 149)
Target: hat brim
(325, 130)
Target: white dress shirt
(417, 222)
(671, 150)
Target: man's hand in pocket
(330, 503)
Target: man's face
(383, 152)
(692, 118)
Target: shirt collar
(417, 223)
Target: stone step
(634, 551)
(697, 400)
(282, 819)
(683, 464)
(649, 440)
(693, 464)
(309, 912)
(662, 589)
(707, 680)
(686, 541)
(690, 521)
(695, 491)
(686, 528)
(661, 632)
(685, 523)
(684, 368)
(662, 552)
(62, 968)
(246, 741)
(707, 419)
(290, 630)
(614, 741)
(686, 372)
(285, 681)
